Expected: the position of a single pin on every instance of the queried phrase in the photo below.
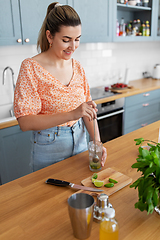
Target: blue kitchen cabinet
(141, 110)
(157, 20)
(21, 20)
(15, 150)
(131, 13)
(32, 16)
(10, 29)
(96, 17)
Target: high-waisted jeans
(56, 144)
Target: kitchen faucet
(3, 74)
(12, 76)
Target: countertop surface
(139, 86)
(31, 209)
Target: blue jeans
(56, 144)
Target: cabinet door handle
(144, 124)
(27, 40)
(19, 40)
(145, 104)
(146, 94)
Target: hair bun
(52, 6)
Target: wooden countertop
(8, 124)
(31, 209)
(140, 86)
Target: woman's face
(65, 42)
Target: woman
(52, 96)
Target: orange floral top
(37, 91)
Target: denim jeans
(56, 144)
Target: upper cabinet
(126, 27)
(10, 29)
(96, 19)
(21, 20)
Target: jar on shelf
(138, 27)
(143, 29)
(129, 30)
(147, 29)
(139, 3)
(145, 3)
(121, 1)
(122, 28)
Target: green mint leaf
(155, 197)
(150, 208)
(145, 153)
(158, 174)
(139, 140)
(150, 191)
(151, 164)
(141, 206)
(135, 184)
(140, 150)
(149, 171)
(140, 165)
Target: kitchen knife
(72, 185)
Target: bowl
(132, 2)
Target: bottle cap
(110, 213)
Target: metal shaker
(81, 207)
(102, 204)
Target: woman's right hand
(86, 109)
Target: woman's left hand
(104, 156)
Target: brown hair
(57, 16)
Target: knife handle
(57, 182)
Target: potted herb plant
(148, 163)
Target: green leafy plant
(148, 163)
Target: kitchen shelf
(133, 38)
(132, 8)
(131, 13)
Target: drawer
(142, 98)
(140, 125)
(141, 113)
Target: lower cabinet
(141, 110)
(15, 149)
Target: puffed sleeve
(26, 97)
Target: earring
(50, 45)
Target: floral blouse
(38, 91)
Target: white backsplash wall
(104, 63)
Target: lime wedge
(112, 180)
(98, 183)
(93, 180)
(95, 176)
(109, 185)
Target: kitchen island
(31, 209)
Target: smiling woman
(52, 95)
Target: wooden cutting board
(121, 90)
(104, 175)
